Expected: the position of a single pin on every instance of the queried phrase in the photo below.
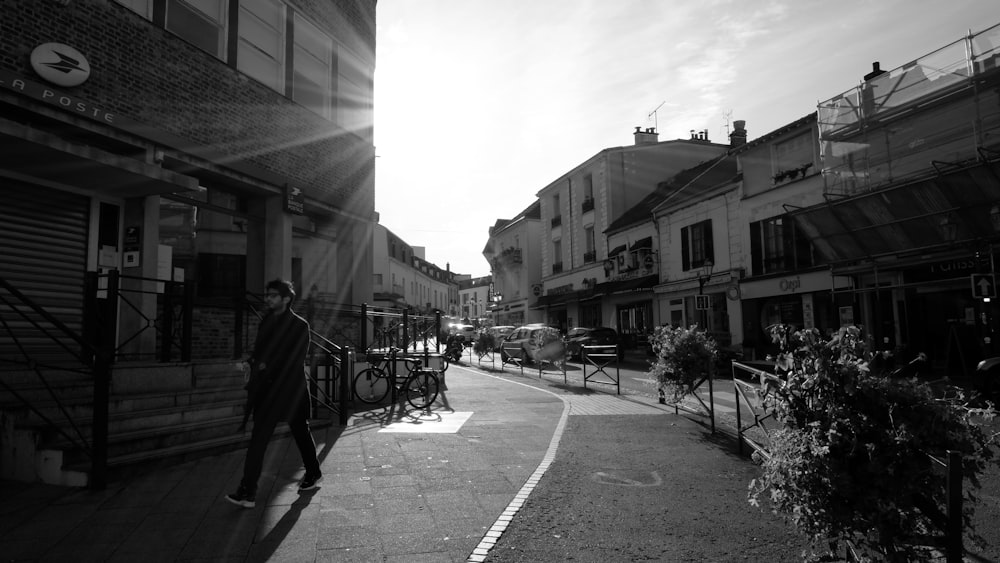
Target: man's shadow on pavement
(265, 548)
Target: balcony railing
(870, 137)
(589, 257)
(557, 268)
(508, 256)
(588, 204)
(556, 221)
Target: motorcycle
(454, 347)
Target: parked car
(467, 332)
(525, 338)
(501, 332)
(579, 337)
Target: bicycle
(420, 387)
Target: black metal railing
(41, 344)
(330, 365)
(154, 317)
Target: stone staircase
(158, 414)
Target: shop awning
(38, 154)
(951, 208)
(616, 250)
(642, 243)
(566, 297)
(623, 286)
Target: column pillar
(145, 214)
(269, 243)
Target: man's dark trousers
(263, 429)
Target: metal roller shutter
(43, 253)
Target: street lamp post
(497, 298)
(702, 300)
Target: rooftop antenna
(652, 114)
(727, 115)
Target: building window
(354, 105)
(590, 252)
(777, 245)
(377, 280)
(201, 23)
(221, 275)
(557, 251)
(588, 186)
(696, 245)
(142, 7)
(313, 62)
(261, 50)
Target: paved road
(631, 481)
(641, 487)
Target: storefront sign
(295, 200)
(846, 316)
(802, 283)
(808, 313)
(60, 64)
(630, 274)
(948, 269)
(790, 285)
(53, 97)
(568, 288)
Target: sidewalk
(424, 493)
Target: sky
(480, 104)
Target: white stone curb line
(500, 526)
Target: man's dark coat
(277, 386)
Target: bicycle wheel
(371, 386)
(421, 389)
(444, 363)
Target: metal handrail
(95, 364)
(65, 330)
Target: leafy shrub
(850, 462)
(486, 343)
(549, 345)
(682, 356)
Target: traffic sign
(983, 286)
(702, 302)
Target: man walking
(277, 391)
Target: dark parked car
(579, 337)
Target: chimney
(876, 71)
(699, 135)
(739, 135)
(646, 137)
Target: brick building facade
(216, 143)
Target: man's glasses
(272, 296)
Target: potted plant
(849, 464)
(683, 357)
(549, 346)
